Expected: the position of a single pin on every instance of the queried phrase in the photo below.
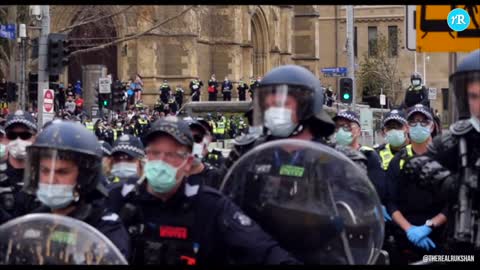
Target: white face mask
(124, 169)
(416, 82)
(18, 148)
(279, 121)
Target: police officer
(242, 90)
(165, 91)
(20, 129)
(453, 157)
(65, 174)
(253, 85)
(89, 124)
(129, 127)
(106, 158)
(416, 92)
(195, 87)
(212, 157)
(117, 130)
(290, 105)
(141, 125)
(395, 131)
(348, 133)
(108, 134)
(159, 106)
(172, 104)
(212, 88)
(221, 126)
(419, 212)
(179, 96)
(202, 171)
(173, 222)
(227, 87)
(127, 159)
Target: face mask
(416, 82)
(119, 124)
(279, 121)
(419, 134)
(55, 196)
(18, 148)
(161, 176)
(197, 150)
(124, 169)
(3, 150)
(343, 137)
(395, 137)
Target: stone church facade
(237, 41)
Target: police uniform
(165, 92)
(242, 89)
(90, 125)
(197, 226)
(215, 158)
(15, 202)
(417, 204)
(374, 167)
(179, 96)
(227, 90)
(141, 126)
(195, 86)
(416, 94)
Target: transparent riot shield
(319, 205)
(48, 239)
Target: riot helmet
(288, 99)
(416, 79)
(65, 159)
(465, 84)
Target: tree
(380, 70)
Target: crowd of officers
(153, 189)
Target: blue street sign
(8, 31)
(335, 71)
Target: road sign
(435, 35)
(366, 119)
(335, 71)
(48, 96)
(411, 33)
(104, 85)
(383, 100)
(8, 31)
(432, 93)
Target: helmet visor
(295, 99)
(56, 167)
(466, 89)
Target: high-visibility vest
(89, 126)
(386, 156)
(409, 154)
(221, 127)
(115, 133)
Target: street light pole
(43, 74)
(350, 52)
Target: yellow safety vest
(142, 121)
(89, 126)
(214, 127)
(115, 133)
(409, 154)
(386, 155)
(221, 127)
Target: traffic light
(346, 90)
(58, 52)
(104, 100)
(117, 92)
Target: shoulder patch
(242, 219)
(111, 217)
(461, 127)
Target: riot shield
(48, 239)
(319, 205)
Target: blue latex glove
(426, 243)
(386, 216)
(416, 233)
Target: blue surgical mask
(161, 176)
(124, 169)
(55, 196)
(419, 134)
(343, 137)
(395, 137)
(279, 121)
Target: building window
(392, 41)
(355, 41)
(372, 41)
